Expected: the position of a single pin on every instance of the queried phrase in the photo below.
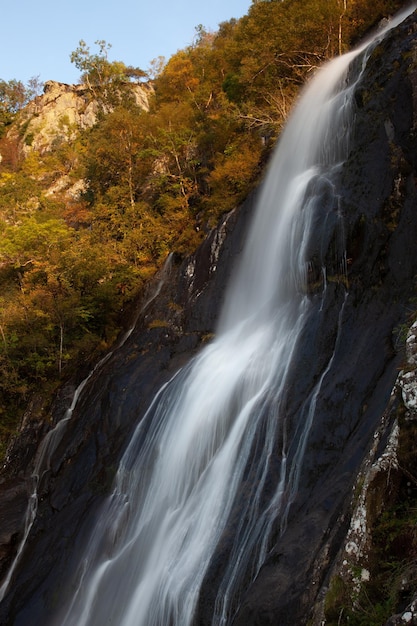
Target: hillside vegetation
(153, 181)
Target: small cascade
(48, 445)
(53, 437)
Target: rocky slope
(360, 454)
(56, 115)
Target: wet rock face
(378, 199)
(354, 326)
(376, 564)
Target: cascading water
(223, 416)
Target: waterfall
(222, 418)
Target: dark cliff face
(378, 198)
(355, 327)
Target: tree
(114, 156)
(178, 79)
(14, 95)
(154, 181)
(156, 67)
(107, 81)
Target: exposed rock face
(386, 480)
(63, 110)
(55, 118)
(355, 428)
(57, 115)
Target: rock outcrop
(61, 111)
(377, 563)
(55, 118)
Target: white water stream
(176, 486)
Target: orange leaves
(234, 174)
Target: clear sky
(38, 36)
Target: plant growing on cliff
(106, 80)
(14, 95)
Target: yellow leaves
(32, 239)
(234, 173)
(178, 78)
(33, 165)
(5, 177)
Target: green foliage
(105, 79)
(14, 95)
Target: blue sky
(38, 37)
